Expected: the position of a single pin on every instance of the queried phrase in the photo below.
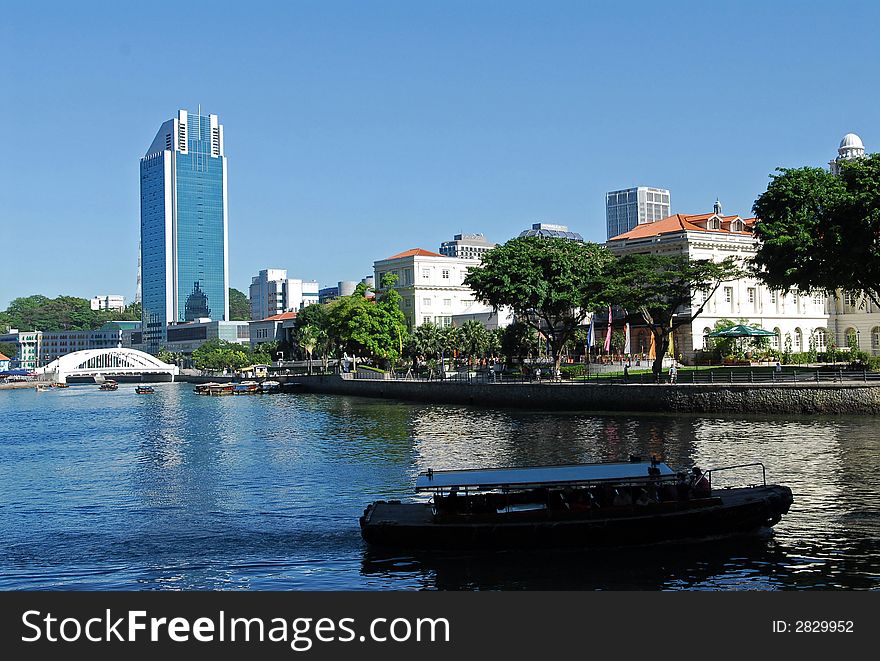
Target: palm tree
(307, 340)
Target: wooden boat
(270, 386)
(246, 388)
(109, 384)
(145, 390)
(215, 389)
(582, 505)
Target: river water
(118, 491)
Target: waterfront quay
(855, 396)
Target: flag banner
(626, 340)
(591, 333)
(608, 333)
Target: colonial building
(431, 286)
(800, 320)
(855, 319)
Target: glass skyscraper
(624, 209)
(184, 226)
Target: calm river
(118, 491)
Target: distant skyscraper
(272, 292)
(624, 209)
(184, 226)
(466, 246)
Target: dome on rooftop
(851, 141)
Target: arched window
(875, 338)
(821, 340)
(798, 339)
(852, 338)
(777, 339)
(707, 341)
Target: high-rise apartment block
(184, 226)
(272, 292)
(628, 208)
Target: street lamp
(858, 340)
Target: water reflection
(176, 491)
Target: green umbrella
(742, 331)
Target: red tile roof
(680, 223)
(281, 317)
(415, 252)
(2, 357)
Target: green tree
(222, 355)
(307, 339)
(8, 349)
(549, 283)
(473, 340)
(661, 289)
(819, 231)
(518, 341)
(239, 306)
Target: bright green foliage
(307, 338)
(223, 355)
(375, 329)
(473, 340)
(239, 306)
(551, 284)
(64, 313)
(821, 231)
(661, 289)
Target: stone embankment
(779, 398)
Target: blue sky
(355, 130)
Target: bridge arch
(108, 363)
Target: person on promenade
(626, 373)
(673, 373)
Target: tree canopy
(239, 306)
(821, 231)
(661, 289)
(550, 284)
(63, 313)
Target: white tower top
(850, 147)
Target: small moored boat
(581, 505)
(270, 386)
(145, 390)
(109, 384)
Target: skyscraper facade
(625, 209)
(184, 226)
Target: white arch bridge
(92, 364)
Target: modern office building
(628, 208)
(184, 226)
(186, 337)
(342, 288)
(466, 246)
(108, 302)
(549, 230)
(272, 292)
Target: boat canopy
(539, 476)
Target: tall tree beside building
(550, 283)
(820, 231)
(239, 306)
(661, 289)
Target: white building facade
(800, 321)
(431, 286)
(855, 319)
(631, 207)
(272, 293)
(108, 302)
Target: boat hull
(729, 512)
